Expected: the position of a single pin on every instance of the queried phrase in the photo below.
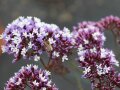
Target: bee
(48, 46)
(55, 66)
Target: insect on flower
(48, 46)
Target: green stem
(43, 63)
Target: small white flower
(66, 32)
(31, 35)
(38, 24)
(17, 40)
(35, 83)
(44, 33)
(54, 27)
(106, 69)
(20, 18)
(37, 20)
(57, 35)
(35, 31)
(80, 47)
(51, 41)
(36, 58)
(91, 27)
(19, 81)
(42, 30)
(113, 59)
(93, 50)
(7, 38)
(16, 33)
(112, 54)
(82, 58)
(44, 88)
(86, 30)
(49, 83)
(29, 67)
(87, 70)
(25, 22)
(15, 22)
(15, 50)
(64, 58)
(25, 34)
(35, 67)
(23, 52)
(56, 54)
(43, 78)
(100, 69)
(47, 73)
(30, 45)
(115, 62)
(39, 34)
(95, 35)
(21, 24)
(103, 53)
(103, 38)
(12, 80)
(16, 74)
(86, 41)
(73, 42)
(29, 17)
(22, 69)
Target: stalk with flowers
(29, 38)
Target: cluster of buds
(110, 22)
(32, 77)
(29, 37)
(85, 24)
(98, 63)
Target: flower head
(88, 37)
(110, 22)
(30, 76)
(25, 37)
(98, 63)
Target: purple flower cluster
(32, 77)
(85, 24)
(96, 61)
(98, 66)
(88, 37)
(29, 37)
(110, 22)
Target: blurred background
(63, 13)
